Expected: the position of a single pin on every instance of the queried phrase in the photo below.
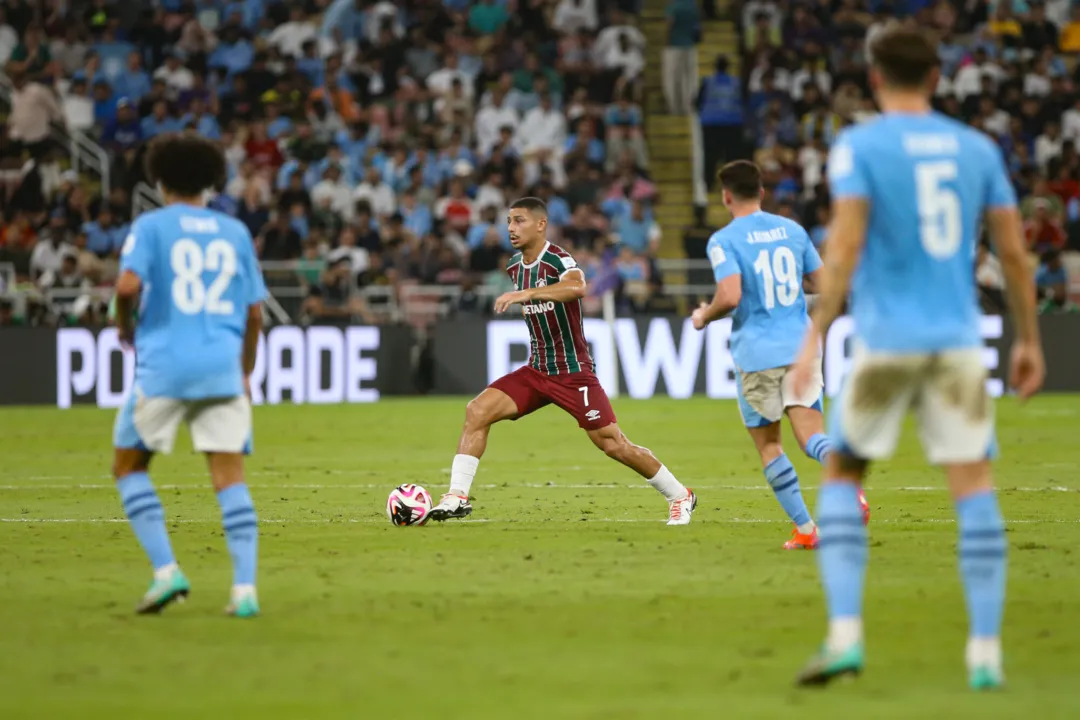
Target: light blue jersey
(928, 181)
(772, 254)
(199, 275)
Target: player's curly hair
(185, 164)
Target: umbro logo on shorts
(592, 415)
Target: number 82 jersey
(771, 254)
(928, 181)
(199, 276)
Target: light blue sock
(818, 446)
(241, 531)
(785, 484)
(146, 517)
(842, 549)
(982, 561)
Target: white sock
(242, 591)
(843, 633)
(668, 486)
(165, 571)
(807, 528)
(462, 473)
(984, 652)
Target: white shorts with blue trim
(220, 425)
(946, 391)
(764, 395)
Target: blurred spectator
(9, 38)
(51, 247)
(78, 106)
(624, 123)
(680, 66)
(176, 76)
(1043, 229)
(637, 229)
(990, 280)
(720, 111)
(278, 240)
(334, 300)
(105, 235)
(572, 16)
(1052, 281)
(377, 193)
(33, 110)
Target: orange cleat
(799, 541)
(865, 508)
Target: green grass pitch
(565, 598)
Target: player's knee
(124, 465)
(478, 414)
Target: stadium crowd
(375, 145)
(368, 143)
(1008, 67)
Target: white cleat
(451, 506)
(679, 511)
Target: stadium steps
(667, 136)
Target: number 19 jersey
(928, 181)
(199, 276)
(772, 254)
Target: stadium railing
(144, 198)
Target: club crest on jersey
(541, 282)
(537, 308)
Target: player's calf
(241, 527)
(982, 549)
(489, 407)
(681, 501)
(145, 514)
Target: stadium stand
(372, 146)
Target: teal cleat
(825, 666)
(246, 606)
(985, 677)
(162, 592)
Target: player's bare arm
(251, 344)
(571, 287)
(725, 300)
(128, 286)
(1027, 368)
(846, 241)
(811, 282)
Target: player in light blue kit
(761, 263)
(195, 342)
(909, 192)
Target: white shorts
(764, 395)
(150, 423)
(946, 390)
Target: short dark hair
(742, 179)
(533, 204)
(905, 56)
(185, 163)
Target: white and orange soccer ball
(408, 505)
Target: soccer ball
(408, 505)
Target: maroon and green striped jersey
(558, 336)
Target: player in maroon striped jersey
(560, 371)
